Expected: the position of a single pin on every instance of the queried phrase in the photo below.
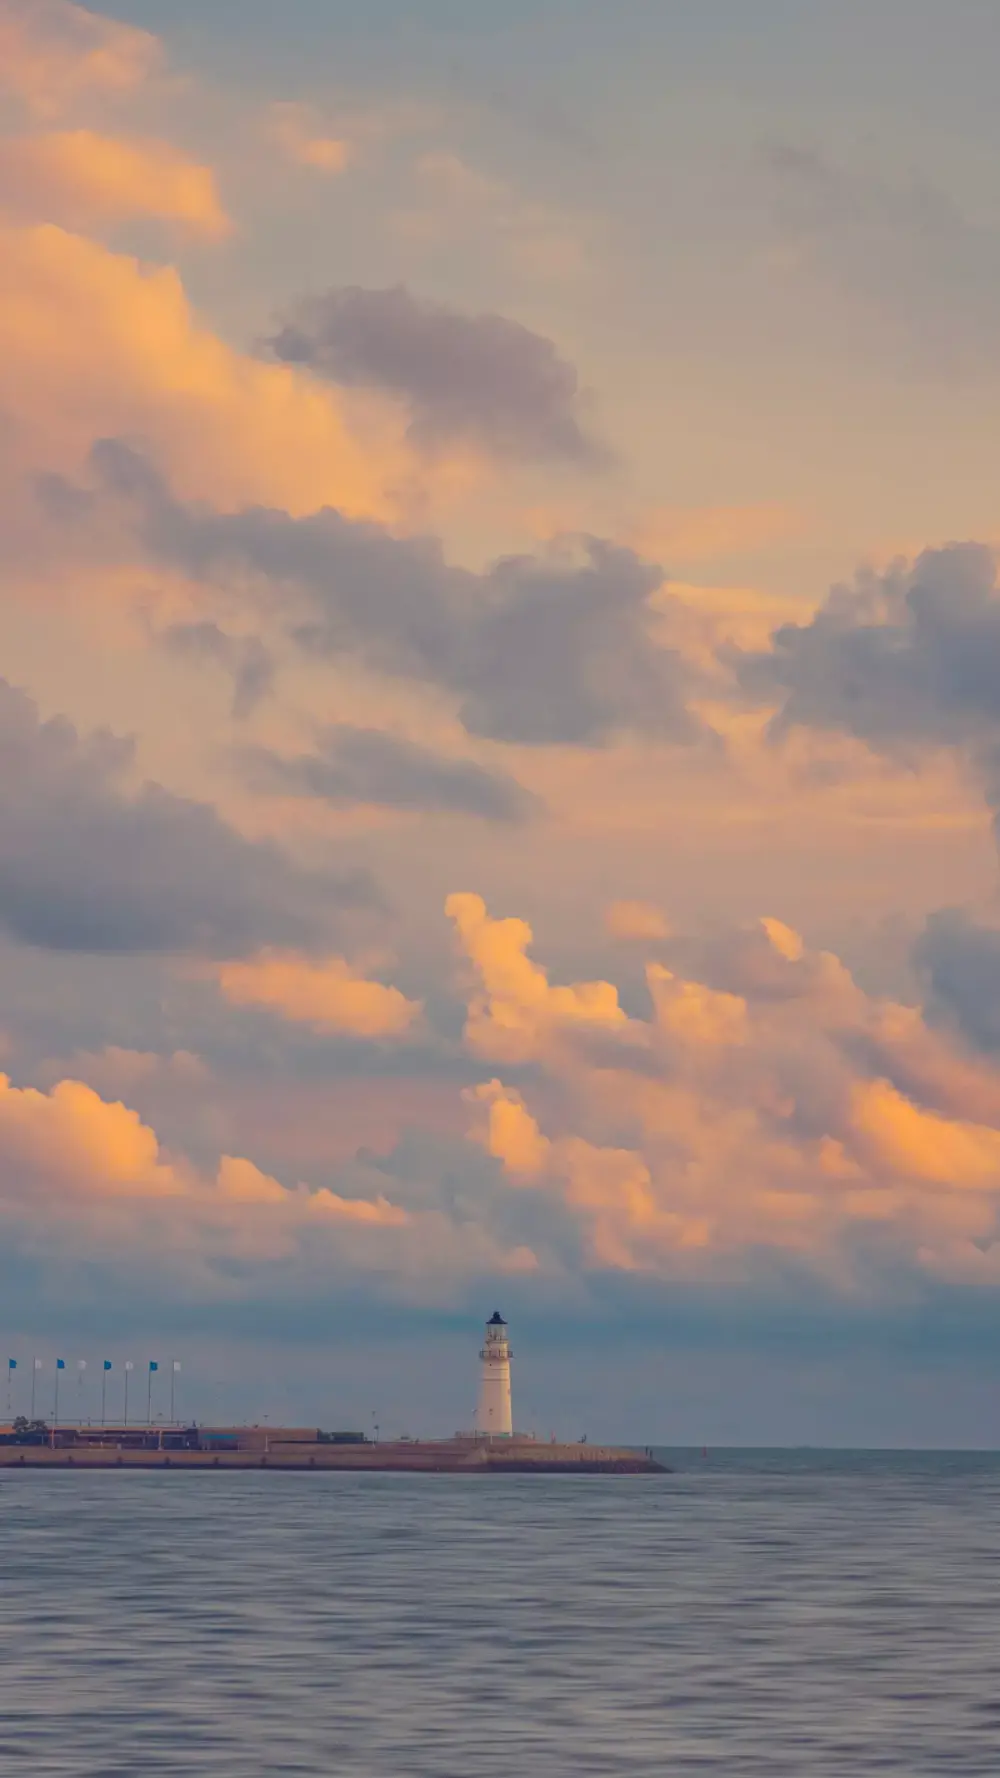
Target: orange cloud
(71, 1142)
(106, 1171)
(329, 996)
(511, 1135)
(700, 620)
(773, 1109)
(679, 533)
(610, 1189)
(636, 920)
(380, 1214)
(737, 1122)
(87, 1180)
(917, 1144)
(691, 1011)
(786, 942)
(53, 52)
(99, 345)
(514, 1003)
(242, 1183)
(296, 133)
(77, 177)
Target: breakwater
(436, 1457)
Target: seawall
(444, 1457)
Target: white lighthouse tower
(494, 1414)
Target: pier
(287, 1448)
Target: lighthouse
(494, 1414)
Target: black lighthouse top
(496, 1320)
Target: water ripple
(746, 1617)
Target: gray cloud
(537, 651)
(357, 765)
(907, 661)
(478, 377)
(908, 658)
(961, 963)
(86, 866)
(244, 658)
(901, 251)
(814, 195)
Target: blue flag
(60, 1364)
(107, 1364)
(12, 1364)
(153, 1365)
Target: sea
(757, 1613)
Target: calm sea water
(756, 1613)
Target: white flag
(177, 1364)
(38, 1363)
(81, 1364)
(129, 1366)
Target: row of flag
(107, 1365)
(81, 1364)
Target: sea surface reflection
(753, 1613)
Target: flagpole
(55, 1404)
(149, 1396)
(104, 1390)
(11, 1368)
(128, 1367)
(34, 1374)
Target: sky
(500, 711)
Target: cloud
(89, 1195)
(780, 1117)
(453, 201)
(243, 1183)
(105, 1171)
(70, 1142)
(776, 1129)
(900, 250)
(97, 343)
(907, 661)
(240, 1182)
(561, 649)
(72, 1145)
(297, 134)
(636, 920)
(367, 766)
(87, 865)
(329, 995)
(913, 1143)
(908, 657)
(514, 1009)
(78, 178)
(381, 1213)
(53, 53)
(680, 533)
(961, 961)
(245, 658)
(606, 1186)
(478, 378)
(117, 1071)
(511, 1134)
(696, 1013)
